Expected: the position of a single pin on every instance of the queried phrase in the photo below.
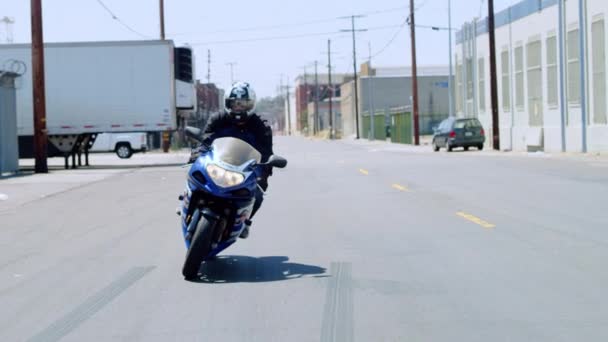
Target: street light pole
(562, 72)
(582, 30)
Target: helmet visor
(240, 105)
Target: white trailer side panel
(100, 87)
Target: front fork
(191, 214)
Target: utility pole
(9, 31)
(231, 64)
(414, 75)
(331, 90)
(493, 80)
(40, 133)
(306, 100)
(162, 19)
(451, 78)
(209, 66)
(316, 116)
(288, 109)
(353, 30)
(372, 110)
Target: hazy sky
(246, 32)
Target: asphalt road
(355, 242)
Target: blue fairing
(200, 165)
(242, 201)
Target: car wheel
(124, 151)
(466, 148)
(480, 147)
(435, 146)
(450, 147)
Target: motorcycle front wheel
(199, 248)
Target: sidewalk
(425, 148)
(26, 187)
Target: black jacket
(254, 131)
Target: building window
(506, 83)
(519, 78)
(598, 36)
(482, 85)
(535, 83)
(552, 90)
(574, 72)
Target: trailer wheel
(124, 151)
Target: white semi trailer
(103, 87)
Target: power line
(115, 17)
(279, 26)
(400, 28)
(391, 40)
(389, 10)
(303, 35)
(257, 28)
(420, 6)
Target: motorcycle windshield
(235, 151)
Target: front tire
(199, 248)
(435, 146)
(124, 151)
(480, 147)
(450, 147)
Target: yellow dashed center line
(400, 187)
(475, 220)
(365, 172)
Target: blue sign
(441, 84)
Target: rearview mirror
(276, 161)
(194, 133)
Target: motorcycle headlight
(223, 177)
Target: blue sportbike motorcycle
(219, 197)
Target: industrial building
(532, 60)
(383, 89)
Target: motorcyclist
(240, 121)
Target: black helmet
(240, 101)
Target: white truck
(104, 87)
(123, 144)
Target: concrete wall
(517, 27)
(9, 149)
(347, 108)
